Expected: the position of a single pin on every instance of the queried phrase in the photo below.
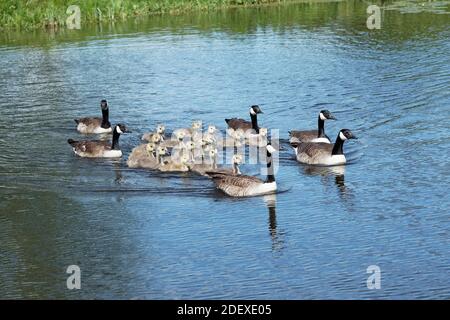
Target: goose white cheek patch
(118, 130)
(322, 117)
(270, 149)
(342, 136)
(252, 112)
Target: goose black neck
(270, 174)
(254, 122)
(338, 146)
(321, 128)
(105, 118)
(236, 168)
(115, 140)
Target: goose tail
(71, 142)
(77, 121)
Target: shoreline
(52, 15)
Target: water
(139, 234)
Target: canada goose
(313, 135)
(160, 129)
(194, 130)
(237, 123)
(175, 140)
(208, 164)
(95, 125)
(210, 134)
(97, 148)
(144, 156)
(175, 165)
(324, 154)
(208, 170)
(246, 186)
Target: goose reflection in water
(326, 173)
(118, 172)
(275, 235)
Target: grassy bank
(33, 14)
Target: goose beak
(331, 117)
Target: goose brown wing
(303, 136)
(91, 122)
(238, 181)
(314, 150)
(237, 123)
(92, 146)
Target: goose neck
(254, 118)
(321, 127)
(115, 140)
(105, 118)
(270, 172)
(338, 147)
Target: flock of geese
(191, 149)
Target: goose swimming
(93, 124)
(237, 123)
(324, 154)
(209, 169)
(99, 148)
(144, 156)
(148, 136)
(313, 135)
(247, 186)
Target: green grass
(33, 14)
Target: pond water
(138, 234)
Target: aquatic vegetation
(418, 6)
(32, 14)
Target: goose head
(180, 136)
(121, 128)
(212, 153)
(104, 104)
(212, 129)
(160, 129)
(162, 151)
(197, 125)
(255, 109)
(237, 159)
(156, 138)
(270, 149)
(150, 147)
(326, 115)
(346, 134)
